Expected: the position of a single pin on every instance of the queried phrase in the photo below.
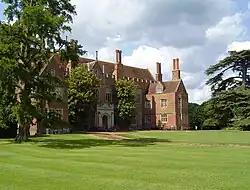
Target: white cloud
(198, 32)
(227, 28)
(238, 46)
(198, 96)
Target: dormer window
(159, 89)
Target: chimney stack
(118, 56)
(158, 72)
(96, 55)
(176, 73)
(118, 67)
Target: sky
(200, 33)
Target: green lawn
(150, 161)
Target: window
(97, 94)
(108, 97)
(164, 102)
(57, 111)
(164, 117)
(53, 72)
(147, 104)
(60, 91)
(60, 112)
(180, 104)
(159, 90)
(148, 119)
(138, 97)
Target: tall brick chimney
(158, 75)
(118, 66)
(118, 56)
(176, 73)
(96, 55)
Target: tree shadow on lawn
(88, 143)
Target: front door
(105, 121)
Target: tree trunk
(244, 75)
(22, 133)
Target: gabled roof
(109, 67)
(134, 72)
(169, 87)
(128, 71)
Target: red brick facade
(58, 69)
(173, 114)
(156, 100)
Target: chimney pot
(96, 55)
(118, 56)
(176, 70)
(158, 67)
(158, 72)
(174, 62)
(177, 64)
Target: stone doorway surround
(105, 111)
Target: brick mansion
(156, 100)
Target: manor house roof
(128, 71)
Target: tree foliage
(229, 109)
(29, 40)
(230, 82)
(236, 62)
(125, 94)
(82, 89)
(196, 115)
(72, 52)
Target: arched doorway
(105, 121)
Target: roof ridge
(115, 63)
(177, 87)
(136, 67)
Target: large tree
(82, 89)
(30, 39)
(230, 82)
(228, 109)
(125, 96)
(238, 63)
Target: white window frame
(164, 117)
(164, 103)
(108, 97)
(148, 104)
(159, 90)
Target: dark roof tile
(169, 87)
(128, 71)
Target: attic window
(159, 89)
